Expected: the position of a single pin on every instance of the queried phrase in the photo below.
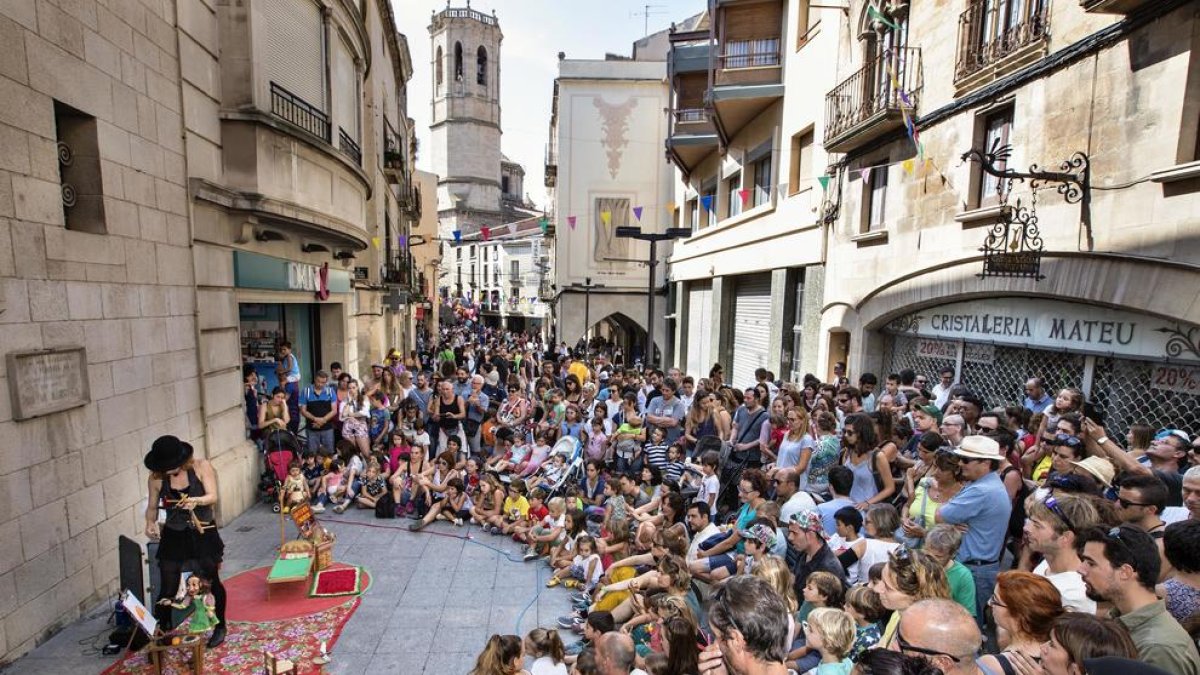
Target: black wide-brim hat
(167, 453)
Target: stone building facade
(174, 180)
(921, 258)
(1112, 308)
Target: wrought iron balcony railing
(393, 148)
(990, 31)
(349, 146)
(300, 113)
(885, 85)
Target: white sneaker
(318, 508)
(458, 522)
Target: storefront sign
(49, 381)
(937, 349)
(251, 270)
(1052, 324)
(1176, 378)
(978, 353)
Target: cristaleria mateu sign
(1055, 324)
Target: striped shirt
(656, 455)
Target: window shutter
(345, 89)
(295, 48)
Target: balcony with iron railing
(874, 99)
(398, 271)
(996, 38)
(299, 113)
(1114, 6)
(349, 146)
(395, 164)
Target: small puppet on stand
(196, 602)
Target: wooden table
(289, 570)
(157, 649)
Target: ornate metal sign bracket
(1014, 246)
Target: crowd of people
(804, 527)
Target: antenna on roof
(646, 13)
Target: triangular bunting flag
(670, 207)
(512, 228)
(880, 17)
(375, 241)
(403, 241)
(485, 232)
(606, 217)
(637, 212)
(571, 221)
(707, 201)
(824, 181)
(545, 225)
(865, 173)
(458, 236)
(908, 166)
(744, 194)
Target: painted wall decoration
(614, 124)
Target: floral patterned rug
(298, 640)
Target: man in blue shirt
(666, 412)
(318, 405)
(983, 506)
(1037, 399)
(841, 479)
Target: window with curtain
(762, 181)
(877, 199)
(346, 89)
(997, 128)
(733, 187)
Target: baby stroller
(279, 451)
(572, 450)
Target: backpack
(385, 506)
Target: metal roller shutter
(751, 327)
(295, 48)
(699, 329)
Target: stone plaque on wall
(47, 381)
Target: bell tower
(465, 131)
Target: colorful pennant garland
(824, 181)
(512, 228)
(745, 195)
(879, 16)
(637, 213)
(485, 232)
(375, 242)
(606, 217)
(403, 241)
(458, 236)
(707, 201)
(571, 221)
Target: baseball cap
(763, 534)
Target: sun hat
(167, 454)
(763, 534)
(1102, 469)
(809, 521)
(979, 447)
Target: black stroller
(280, 449)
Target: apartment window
(515, 271)
(762, 181)
(79, 170)
(997, 129)
(472, 256)
(693, 207)
(733, 186)
(876, 202)
(708, 215)
(800, 176)
(481, 66)
(806, 23)
(474, 280)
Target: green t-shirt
(962, 586)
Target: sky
(535, 31)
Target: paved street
(433, 602)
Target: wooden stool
(277, 666)
(158, 650)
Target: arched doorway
(618, 330)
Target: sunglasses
(1125, 503)
(906, 646)
(1052, 504)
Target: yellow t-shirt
(520, 505)
(1042, 468)
(579, 370)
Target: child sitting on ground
(333, 487)
(822, 589)
(597, 624)
(373, 487)
(516, 507)
(548, 532)
(381, 420)
(866, 608)
(759, 539)
(312, 473)
(562, 552)
(295, 488)
(585, 568)
(537, 512)
(831, 632)
(449, 507)
(489, 502)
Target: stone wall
(72, 482)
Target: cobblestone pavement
(433, 602)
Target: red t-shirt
(536, 515)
